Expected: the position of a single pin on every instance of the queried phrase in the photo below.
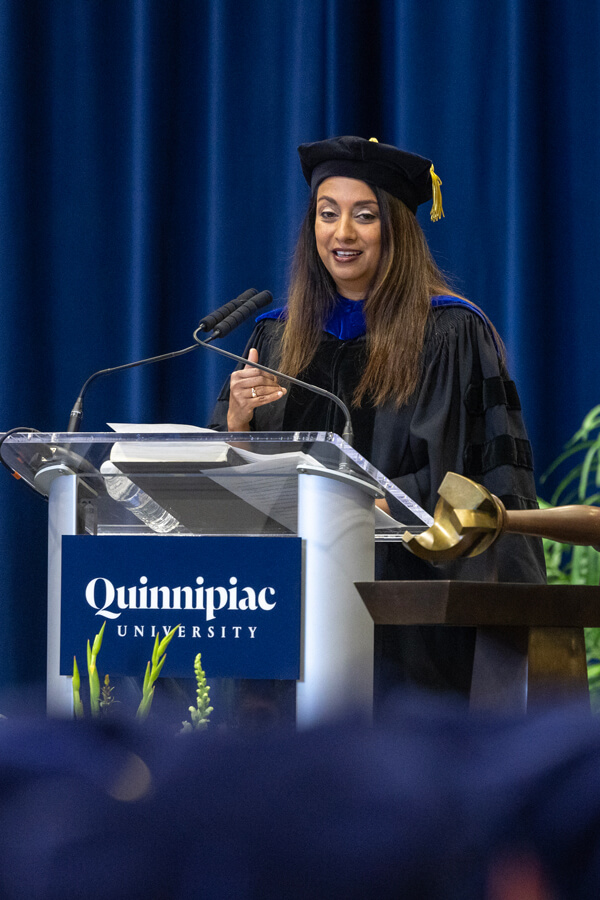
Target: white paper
(168, 451)
(262, 482)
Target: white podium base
(336, 520)
(62, 519)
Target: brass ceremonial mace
(468, 519)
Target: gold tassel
(436, 210)
(375, 141)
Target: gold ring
(254, 394)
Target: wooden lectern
(530, 643)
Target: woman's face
(348, 234)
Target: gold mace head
(466, 520)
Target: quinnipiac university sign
(236, 600)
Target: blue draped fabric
(148, 173)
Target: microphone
(205, 324)
(243, 312)
(209, 322)
(348, 432)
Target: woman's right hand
(248, 389)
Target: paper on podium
(175, 451)
(267, 482)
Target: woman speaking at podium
(371, 318)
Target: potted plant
(575, 474)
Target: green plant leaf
(564, 456)
(76, 675)
(167, 640)
(590, 464)
(157, 669)
(146, 685)
(98, 641)
(154, 656)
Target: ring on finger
(254, 394)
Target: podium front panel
(177, 486)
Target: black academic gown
(464, 417)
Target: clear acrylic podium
(308, 484)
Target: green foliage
(92, 654)
(581, 483)
(153, 670)
(106, 696)
(101, 700)
(577, 473)
(77, 704)
(577, 470)
(200, 713)
(94, 680)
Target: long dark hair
(397, 306)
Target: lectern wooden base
(530, 644)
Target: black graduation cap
(407, 176)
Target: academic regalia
(464, 417)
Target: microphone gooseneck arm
(77, 411)
(205, 324)
(347, 434)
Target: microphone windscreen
(260, 300)
(242, 313)
(209, 322)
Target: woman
(371, 318)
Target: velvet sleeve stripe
(490, 392)
(516, 501)
(503, 450)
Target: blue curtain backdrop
(148, 173)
